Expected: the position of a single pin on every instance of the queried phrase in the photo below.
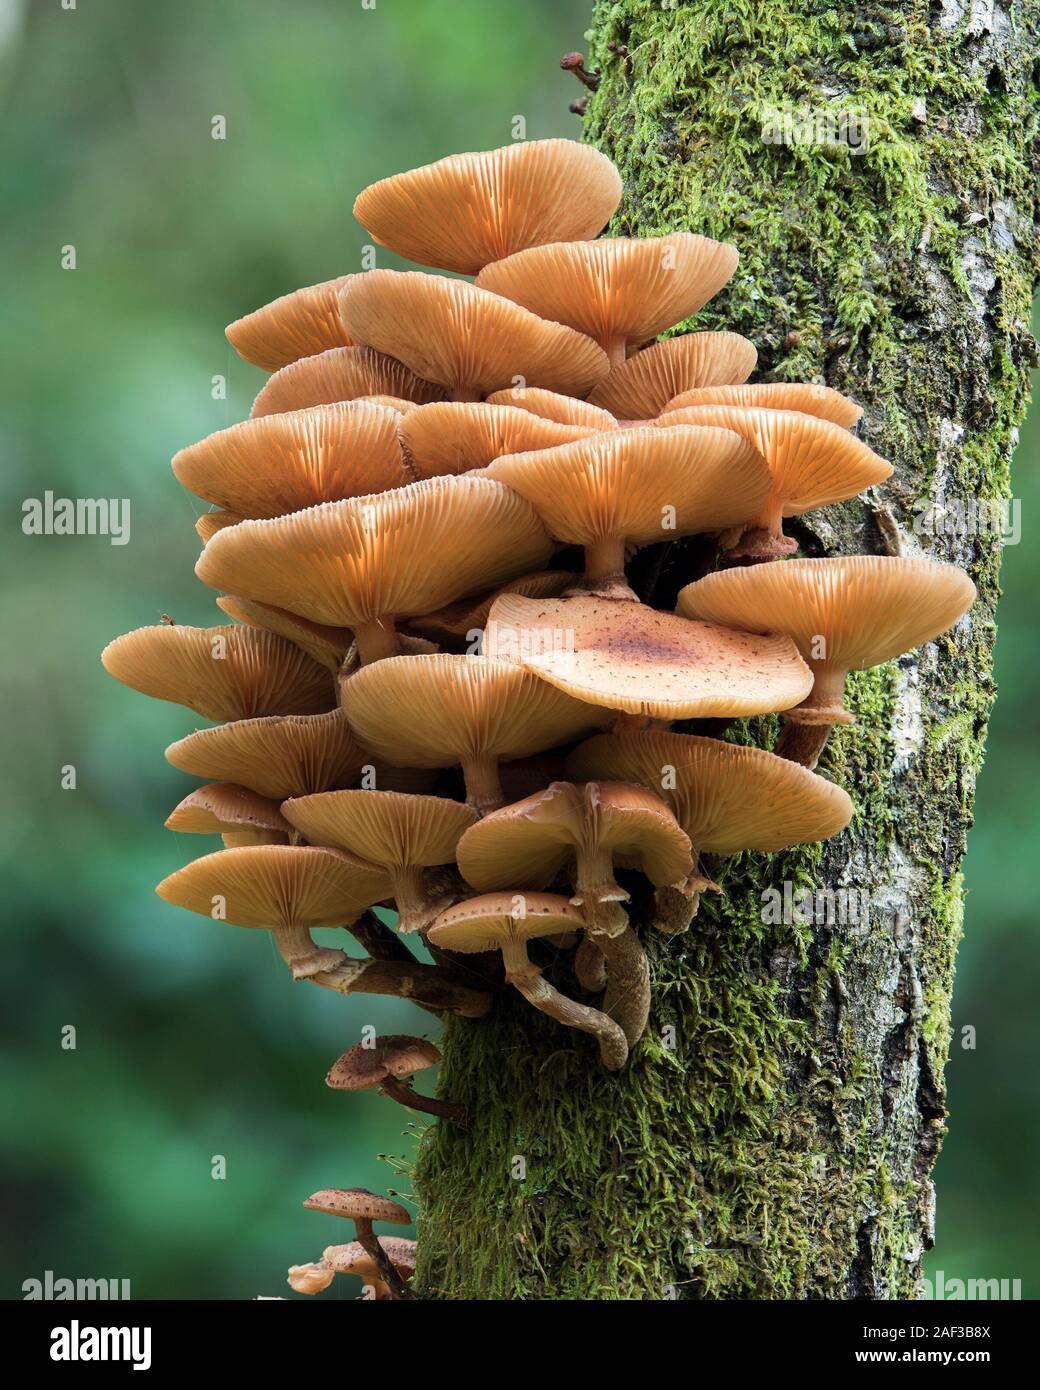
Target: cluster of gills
(439, 692)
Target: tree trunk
(774, 1134)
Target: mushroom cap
(294, 325)
(822, 401)
(355, 1202)
(469, 209)
(616, 287)
(386, 828)
(550, 405)
(455, 436)
(279, 757)
(465, 339)
(619, 483)
(866, 608)
(223, 807)
(220, 672)
(353, 1258)
(329, 646)
(528, 843)
(276, 886)
(726, 797)
(455, 620)
(209, 523)
(395, 1055)
(640, 388)
(393, 553)
(311, 1278)
(340, 374)
(489, 922)
(432, 711)
(628, 657)
(283, 463)
(812, 461)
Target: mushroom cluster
(440, 693)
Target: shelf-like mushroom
(810, 399)
(238, 815)
(619, 291)
(641, 387)
(550, 405)
(388, 1065)
(353, 1258)
(506, 922)
(844, 614)
(362, 1207)
(341, 374)
(364, 562)
(295, 325)
(455, 436)
(636, 486)
(466, 210)
(401, 834)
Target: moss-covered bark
(783, 1146)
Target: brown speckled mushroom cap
(209, 523)
(291, 755)
(392, 829)
(354, 1259)
(392, 554)
(293, 326)
(220, 672)
(283, 463)
(822, 401)
(455, 621)
(636, 660)
(395, 1055)
(469, 209)
(467, 340)
(550, 405)
(277, 886)
(617, 290)
(455, 436)
(340, 374)
(844, 613)
(641, 388)
(223, 808)
(527, 844)
(329, 646)
(358, 1202)
(812, 462)
(639, 485)
(445, 710)
(496, 919)
(727, 798)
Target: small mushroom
(239, 815)
(209, 523)
(329, 646)
(467, 340)
(447, 711)
(389, 1065)
(641, 387)
(402, 835)
(362, 1207)
(311, 1278)
(364, 562)
(456, 436)
(341, 374)
(619, 291)
(506, 922)
(296, 325)
(844, 614)
(456, 622)
(550, 405)
(469, 209)
(355, 1259)
(822, 401)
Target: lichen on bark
(783, 1146)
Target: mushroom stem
(382, 943)
(423, 984)
(302, 954)
(525, 976)
(802, 743)
(605, 568)
(463, 393)
(676, 905)
(369, 1241)
(414, 906)
(404, 1095)
(615, 349)
(483, 785)
(598, 895)
(376, 640)
(627, 999)
(589, 966)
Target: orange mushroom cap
(296, 325)
(810, 399)
(223, 808)
(456, 436)
(340, 374)
(329, 646)
(550, 405)
(641, 387)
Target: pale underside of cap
(329, 646)
(389, 828)
(451, 437)
(295, 325)
(551, 405)
(496, 919)
(223, 807)
(641, 388)
(807, 397)
(340, 374)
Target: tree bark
(774, 1134)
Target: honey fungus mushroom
(295, 325)
(550, 405)
(641, 387)
(584, 830)
(468, 711)
(466, 210)
(364, 562)
(355, 1259)
(456, 436)
(388, 1065)
(341, 374)
(238, 815)
(506, 922)
(467, 340)
(619, 291)
(362, 1207)
(812, 462)
(726, 798)
(844, 614)
(401, 834)
(810, 399)
(636, 486)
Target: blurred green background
(190, 1042)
